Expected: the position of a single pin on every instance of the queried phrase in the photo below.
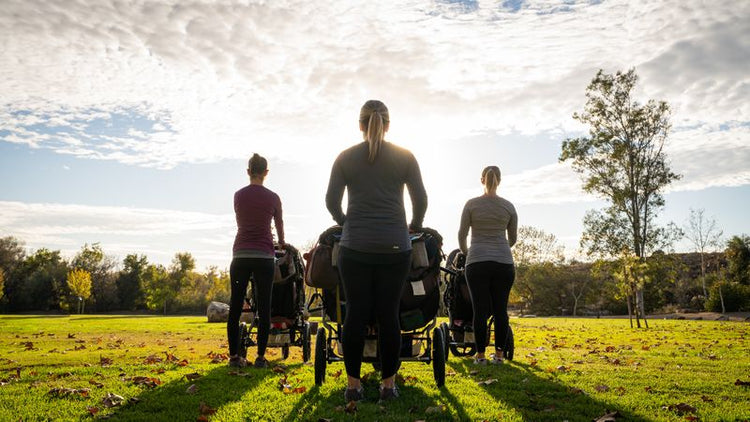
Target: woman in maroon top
(253, 256)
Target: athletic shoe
(354, 394)
(261, 362)
(388, 393)
(237, 362)
(480, 361)
(496, 359)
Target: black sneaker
(354, 394)
(261, 362)
(388, 393)
(237, 362)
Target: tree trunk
(630, 312)
(721, 296)
(640, 301)
(703, 277)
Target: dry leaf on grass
(742, 383)
(487, 382)
(68, 392)
(608, 417)
(92, 410)
(96, 383)
(336, 374)
(146, 381)
(601, 388)
(112, 400)
(205, 409)
(193, 376)
(192, 389)
(680, 408)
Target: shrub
(736, 297)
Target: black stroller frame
(459, 336)
(290, 329)
(430, 348)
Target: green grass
(564, 369)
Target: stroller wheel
(242, 340)
(321, 356)
(306, 342)
(438, 356)
(446, 339)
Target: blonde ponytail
(373, 117)
(491, 176)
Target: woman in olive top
(489, 264)
(375, 253)
(253, 256)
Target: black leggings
(489, 284)
(373, 285)
(240, 271)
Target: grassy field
(140, 368)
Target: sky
(130, 123)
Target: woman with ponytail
(489, 264)
(375, 253)
(253, 256)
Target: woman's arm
(417, 193)
(463, 229)
(278, 221)
(513, 228)
(335, 193)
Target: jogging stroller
(289, 325)
(458, 332)
(421, 341)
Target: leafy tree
(219, 285)
(40, 282)
(79, 283)
(12, 255)
(103, 283)
(156, 286)
(738, 259)
(536, 254)
(130, 280)
(622, 160)
(2, 283)
(704, 235)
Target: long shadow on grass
(215, 388)
(535, 394)
(320, 403)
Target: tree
(536, 246)
(130, 280)
(703, 234)
(39, 282)
(79, 283)
(738, 259)
(537, 254)
(623, 161)
(12, 255)
(103, 284)
(156, 287)
(2, 283)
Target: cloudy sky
(129, 123)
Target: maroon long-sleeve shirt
(254, 207)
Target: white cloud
(219, 79)
(121, 231)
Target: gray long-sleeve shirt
(489, 217)
(375, 220)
